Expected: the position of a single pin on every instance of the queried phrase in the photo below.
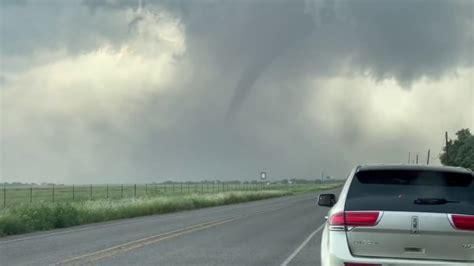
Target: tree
(460, 151)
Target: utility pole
(428, 158)
(409, 157)
(447, 148)
(416, 158)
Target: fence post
(73, 192)
(181, 187)
(91, 192)
(107, 191)
(121, 191)
(31, 194)
(156, 185)
(135, 191)
(53, 192)
(173, 187)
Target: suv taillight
(463, 222)
(353, 218)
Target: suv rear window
(412, 190)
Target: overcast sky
(103, 91)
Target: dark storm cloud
(405, 40)
(410, 39)
(401, 39)
(252, 60)
(37, 27)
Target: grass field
(22, 216)
(12, 196)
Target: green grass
(25, 218)
(13, 196)
(45, 215)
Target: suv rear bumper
(335, 252)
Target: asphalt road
(281, 231)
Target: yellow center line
(109, 252)
(141, 242)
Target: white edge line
(300, 247)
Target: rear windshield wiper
(433, 201)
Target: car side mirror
(327, 200)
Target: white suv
(401, 215)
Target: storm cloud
(101, 91)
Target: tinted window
(417, 191)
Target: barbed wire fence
(12, 195)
